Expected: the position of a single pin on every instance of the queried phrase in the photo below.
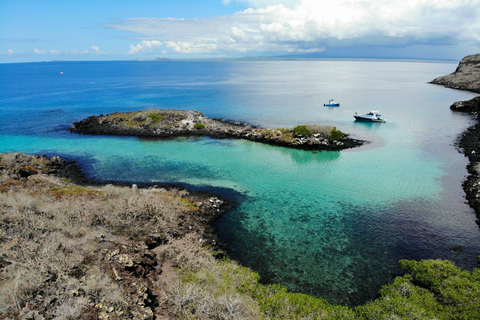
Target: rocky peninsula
(155, 123)
(467, 77)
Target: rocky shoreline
(166, 124)
(467, 77)
(469, 143)
(211, 206)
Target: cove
(332, 224)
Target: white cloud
(55, 52)
(146, 46)
(265, 3)
(10, 51)
(190, 47)
(96, 50)
(312, 25)
(36, 51)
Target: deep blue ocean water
(332, 224)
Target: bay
(332, 224)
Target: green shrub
(335, 134)
(155, 117)
(456, 289)
(199, 126)
(300, 131)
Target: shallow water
(333, 224)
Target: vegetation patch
(199, 126)
(72, 190)
(155, 117)
(188, 204)
(335, 135)
(302, 131)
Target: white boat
(332, 103)
(372, 116)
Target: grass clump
(155, 117)
(199, 126)
(302, 131)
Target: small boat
(372, 116)
(62, 73)
(332, 103)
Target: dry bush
(186, 252)
(51, 234)
(195, 301)
(71, 308)
(209, 289)
(320, 128)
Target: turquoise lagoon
(332, 224)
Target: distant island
(157, 123)
(467, 77)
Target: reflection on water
(305, 157)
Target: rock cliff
(465, 77)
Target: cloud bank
(313, 25)
(94, 50)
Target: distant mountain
(360, 53)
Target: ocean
(331, 224)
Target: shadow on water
(306, 157)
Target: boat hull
(331, 104)
(363, 119)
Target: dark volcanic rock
(470, 106)
(470, 144)
(469, 141)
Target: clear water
(332, 224)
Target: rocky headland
(467, 77)
(154, 123)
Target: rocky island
(155, 123)
(467, 77)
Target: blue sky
(46, 30)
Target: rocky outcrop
(465, 77)
(471, 106)
(174, 123)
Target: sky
(45, 30)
